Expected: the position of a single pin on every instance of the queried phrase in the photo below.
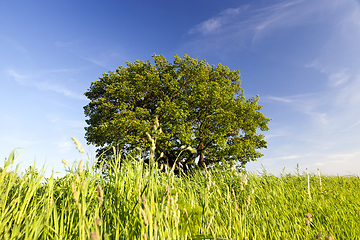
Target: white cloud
(15, 44)
(349, 96)
(274, 134)
(280, 15)
(290, 157)
(95, 61)
(319, 118)
(215, 23)
(354, 125)
(343, 157)
(64, 123)
(210, 25)
(45, 85)
(280, 99)
(19, 78)
(229, 28)
(65, 145)
(338, 78)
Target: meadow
(137, 202)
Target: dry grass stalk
(233, 193)
(320, 181)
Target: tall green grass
(137, 202)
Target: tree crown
(196, 104)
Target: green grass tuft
(143, 203)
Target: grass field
(144, 203)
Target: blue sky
(301, 57)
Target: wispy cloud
(13, 43)
(215, 23)
(55, 118)
(290, 157)
(276, 133)
(47, 86)
(64, 145)
(339, 77)
(280, 99)
(42, 85)
(233, 27)
(103, 56)
(354, 125)
(99, 62)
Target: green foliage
(192, 104)
(145, 203)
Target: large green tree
(197, 105)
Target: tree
(197, 105)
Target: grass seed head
(233, 193)
(156, 125)
(319, 235)
(166, 211)
(75, 141)
(143, 215)
(248, 200)
(100, 194)
(94, 236)
(245, 180)
(152, 148)
(76, 196)
(73, 187)
(329, 237)
(144, 201)
(98, 221)
(308, 216)
(83, 186)
(78, 145)
(176, 197)
(186, 213)
(77, 178)
(191, 149)
(81, 167)
(66, 163)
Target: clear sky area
(301, 57)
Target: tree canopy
(196, 105)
